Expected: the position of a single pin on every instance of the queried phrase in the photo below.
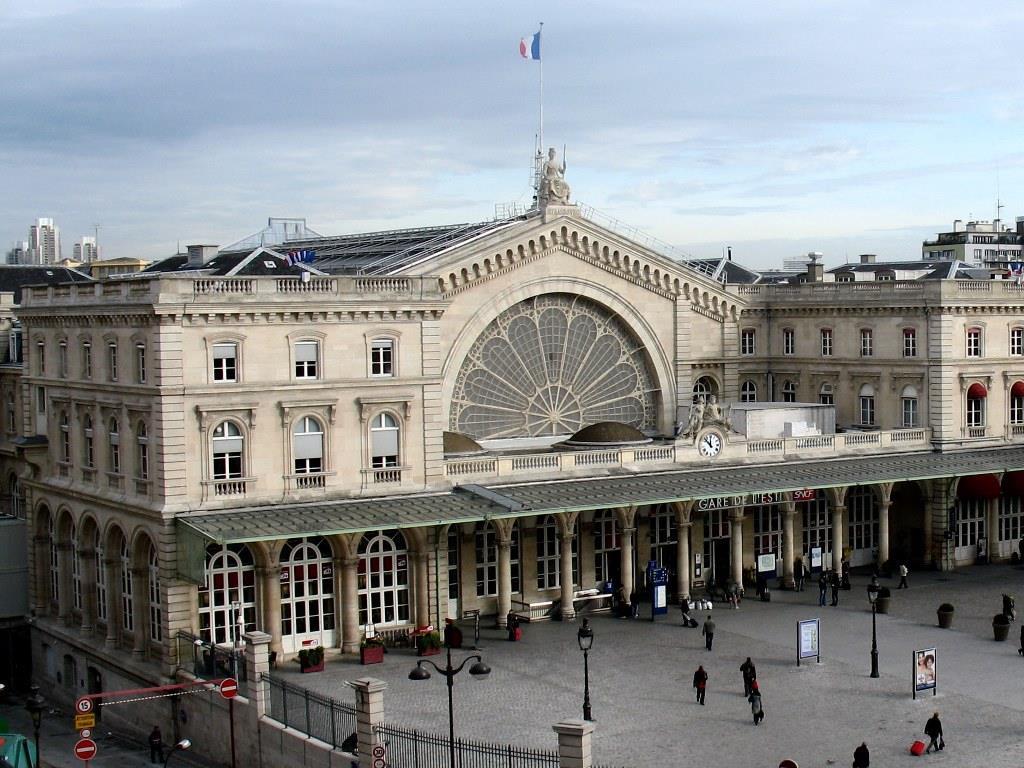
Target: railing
(207, 661)
(411, 748)
(977, 431)
(538, 461)
(230, 285)
(594, 458)
(766, 446)
(314, 285)
(862, 438)
(309, 481)
(321, 717)
(1017, 430)
(472, 467)
(383, 285)
(226, 489)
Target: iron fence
(314, 714)
(209, 662)
(411, 748)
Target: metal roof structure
(474, 503)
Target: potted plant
(312, 659)
(371, 650)
(1001, 626)
(945, 615)
(428, 643)
(883, 600)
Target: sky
(774, 128)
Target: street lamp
(477, 670)
(182, 745)
(585, 638)
(873, 599)
(35, 704)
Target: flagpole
(541, 40)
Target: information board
(808, 640)
(926, 676)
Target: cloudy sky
(775, 128)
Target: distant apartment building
(86, 250)
(978, 243)
(44, 242)
(18, 253)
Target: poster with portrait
(925, 671)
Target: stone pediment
(473, 264)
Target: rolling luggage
(917, 748)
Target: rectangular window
(974, 342)
(143, 459)
(87, 360)
(1017, 341)
(382, 357)
(788, 341)
(826, 342)
(40, 399)
(225, 362)
(909, 410)
(112, 360)
(306, 356)
(867, 410)
(866, 342)
(1010, 518)
(970, 521)
(909, 342)
(62, 361)
(975, 412)
(140, 363)
(40, 358)
(747, 341)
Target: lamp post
(35, 704)
(479, 669)
(585, 638)
(182, 745)
(873, 599)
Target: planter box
(313, 668)
(372, 654)
(1001, 631)
(427, 651)
(945, 619)
(882, 604)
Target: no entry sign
(229, 687)
(85, 749)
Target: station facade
(508, 421)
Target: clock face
(710, 444)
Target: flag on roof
(530, 50)
(300, 257)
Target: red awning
(1013, 484)
(1017, 390)
(978, 487)
(977, 390)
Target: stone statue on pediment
(554, 190)
(705, 412)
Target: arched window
(114, 437)
(909, 407)
(88, 454)
(1017, 403)
(227, 451)
(703, 387)
(789, 391)
(976, 395)
(307, 593)
(748, 392)
(101, 577)
(383, 441)
(486, 539)
(826, 394)
(142, 451)
(228, 598)
(606, 547)
(76, 569)
(866, 403)
(383, 579)
(65, 438)
(127, 589)
(156, 633)
(308, 446)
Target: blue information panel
(658, 579)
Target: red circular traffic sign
(84, 705)
(85, 749)
(229, 687)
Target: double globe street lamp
(585, 639)
(181, 745)
(36, 704)
(873, 590)
(478, 670)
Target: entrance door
(307, 594)
(716, 546)
(383, 580)
(453, 572)
(817, 529)
(970, 526)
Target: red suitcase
(917, 748)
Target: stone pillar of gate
(627, 524)
(369, 713)
(140, 609)
(736, 542)
(683, 527)
(574, 749)
(270, 587)
(257, 667)
(88, 572)
(503, 529)
(788, 550)
(350, 635)
(566, 522)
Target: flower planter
(313, 668)
(1000, 629)
(371, 654)
(882, 604)
(428, 651)
(945, 619)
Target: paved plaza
(816, 714)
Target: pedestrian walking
(861, 756)
(708, 630)
(634, 604)
(756, 708)
(903, 576)
(700, 682)
(933, 729)
(749, 675)
(822, 588)
(156, 745)
(834, 584)
(800, 572)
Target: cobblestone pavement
(644, 708)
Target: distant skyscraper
(18, 254)
(44, 242)
(86, 250)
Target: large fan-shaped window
(550, 366)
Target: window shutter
(223, 351)
(305, 352)
(309, 446)
(385, 442)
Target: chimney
(200, 254)
(867, 258)
(957, 225)
(815, 269)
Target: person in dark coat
(1021, 649)
(834, 584)
(933, 729)
(700, 683)
(799, 574)
(156, 745)
(756, 707)
(861, 756)
(822, 588)
(749, 675)
(708, 630)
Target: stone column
(626, 559)
(883, 532)
(566, 533)
(504, 530)
(257, 666)
(369, 712)
(574, 749)
(838, 516)
(683, 561)
(736, 542)
(788, 513)
(113, 566)
(87, 564)
(270, 587)
(350, 634)
(419, 560)
(992, 526)
(140, 609)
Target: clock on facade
(709, 444)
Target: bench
(592, 599)
(538, 610)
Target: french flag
(530, 50)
